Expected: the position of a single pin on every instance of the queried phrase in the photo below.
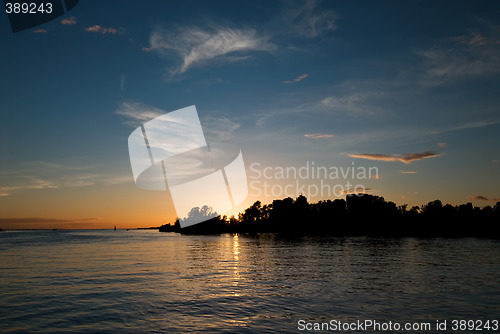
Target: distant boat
(115, 227)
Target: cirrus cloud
(196, 47)
(297, 79)
(472, 56)
(404, 158)
(136, 113)
(309, 20)
(318, 135)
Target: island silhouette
(356, 215)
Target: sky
(408, 89)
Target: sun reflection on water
(236, 247)
(236, 264)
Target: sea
(145, 281)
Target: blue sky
(410, 87)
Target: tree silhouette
(205, 211)
(359, 214)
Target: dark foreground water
(143, 281)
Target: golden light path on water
(236, 260)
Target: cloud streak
(318, 135)
(482, 198)
(355, 104)
(470, 56)
(42, 175)
(308, 20)
(99, 29)
(43, 223)
(404, 158)
(475, 124)
(197, 47)
(32, 182)
(47, 220)
(297, 79)
(477, 39)
(219, 128)
(136, 113)
(69, 21)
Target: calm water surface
(143, 281)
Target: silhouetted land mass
(357, 215)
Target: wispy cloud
(355, 104)
(123, 79)
(219, 128)
(477, 39)
(350, 99)
(119, 179)
(136, 113)
(42, 175)
(33, 182)
(473, 125)
(464, 126)
(442, 145)
(407, 172)
(196, 46)
(40, 31)
(40, 222)
(318, 135)
(69, 21)
(309, 20)
(297, 79)
(482, 198)
(477, 198)
(103, 30)
(404, 158)
(469, 56)
(214, 44)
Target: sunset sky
(409, 87)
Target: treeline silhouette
(357, 215)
